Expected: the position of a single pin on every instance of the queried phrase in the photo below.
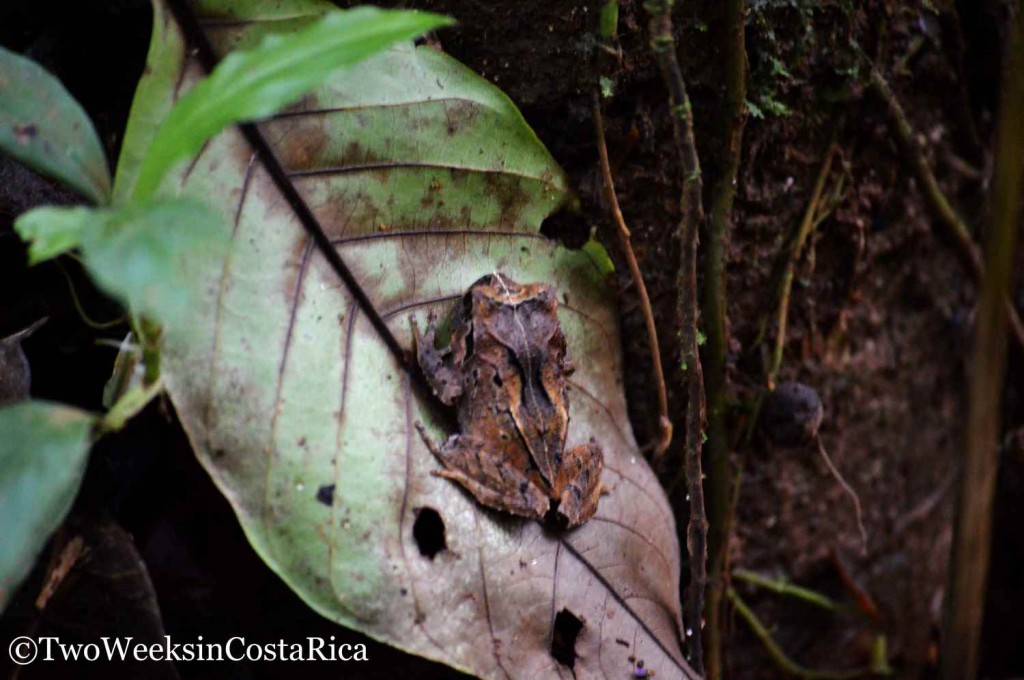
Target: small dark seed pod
(792, 414)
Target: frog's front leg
(489, 477)
(444, 379)
(580, 483)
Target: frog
(505, 372)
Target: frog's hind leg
(581, 487)
(492, 481)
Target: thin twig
(789, 256)
(77, 303)
(855, 589)
(954, 226)
(779, 657)
(850, 492)
(720, 488)
(926, 507)
(815, 213)
(969, 561)
(786, 588)
(663, 46)
(657, 373)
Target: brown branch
(972, 541)
(720, 477)
(663, 46)
(657, 373)
(952, 224)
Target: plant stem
(720, 487)
(663, 46)
(778, 656)
(789, 256)
(972, 541)
(954, 226)
(658, 374)
(786, 588)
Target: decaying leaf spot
(429, 532)
(325, 494)
(25, 133)
(567, 629)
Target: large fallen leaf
(425, 178)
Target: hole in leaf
(325, 494)
(429, 532)
(567, 629)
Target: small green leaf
(52, 231)
(607, 87)
(43, 451)
(141, 254)
(146, 255)
(599, 256)
(254, 83)
(609, 24)
(42, 126)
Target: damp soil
(880, 318)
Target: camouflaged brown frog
(505, 371)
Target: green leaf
(43, 451)
(255, 83)
(609, 21)
(141, 254)
(146, 255)
(52, 231)
(599, 256)
(425, 177)
(42, 126)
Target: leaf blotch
(325, 494)
(25, 133)
(429, 532)
(566, 631)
